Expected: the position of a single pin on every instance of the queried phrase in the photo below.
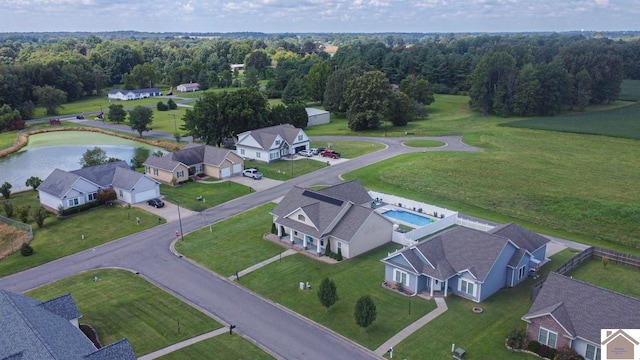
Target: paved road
(279, 331)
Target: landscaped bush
(566, 353)
(533, 346)
(516, 338)
(273, 228)
(26, 250)
(162, 106)
(79, 208)
(543, 351)
(339, 255)
(552, 353)
(106, 195)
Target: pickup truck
(330, 154)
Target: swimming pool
(408, 217)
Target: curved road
(279, 331)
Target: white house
(271, 143)
(119, 94)
(317, 116)
(69, 189)
(190, 87)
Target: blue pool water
(408, 217)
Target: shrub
(339, 255)
(162, 106)
(5, 190)
(8, 209)
(39, 215)
(543, 351)
(566, 353)
(26, 250)
(79, 208)
(172, 104)
(273, 228)
(552, 353)
(516, 338)
(327, 250)
(533, 346)
(106, 195)
(23, 213)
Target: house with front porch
(570, 312)
(271, 143)
(194, 159)
(340, 216)
(470, 263)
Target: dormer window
(301, 217)
(277, 142)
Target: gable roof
(58, 183)
(522, 237)
(190, 85)
(63, 306)
(135, 91)
(453, 252)
(192, 154)
(30, 330)
(331, 210)
(120, 350)
(266, 136)
(102, 175)
(583, 309)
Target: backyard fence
(474, 224)
(12, 241)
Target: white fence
(432, 210)
(474, 224)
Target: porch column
(318, 248)
(446, 287)
(279, 230)
(431, 286)
(291, 236)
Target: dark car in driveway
(157, 203)
(330, 154)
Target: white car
(306, 153)
(252, 173)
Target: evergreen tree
(327, 293)
(365, 312)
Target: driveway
(169, 211)
(256, 185)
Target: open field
(621, 122)
(163, 121)
(233, 244)
(424, 143)
(350, 149)
(62, 237)
(619, 278)
(93, 104)
(123, 305)
(630, 90)
(223, 346)
(7, 139)
(282, 169)
(214, 194)
(481, 335)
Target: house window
(241, 151)
(593, 352)
(257, 155)
(547, 337)
(300, 137)
(180, 174)
(301, 217)
(147, 170)
(400, 277)
(199, 168)
(273, 156)
(93, 196)
(73, 202)
(339, 245)
(120, 192)
(521, 272)
(277, 142)
(467, 287)
(155, 171)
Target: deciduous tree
(50, 98)
(34, 182)
(365, 312)
(116, 113)
(140, 118)
(327, 293)
(367, 97)
(92, 157)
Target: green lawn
(350, 149)
(7, 139)
(213, 194)
(282, 169)
(233, 244)
(619, 278)
(424, 143)
(481, 335)
(220, 347)
(621, 122)
(354, 278)
(163, 121)
(124, 305)
(93, 104)
(59, 238)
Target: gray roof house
(32, 329)
(119, 94)
(470, 263)
(78, 187)
(570, 312)
(271, 143)
(339, 215)
(194, 159)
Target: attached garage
(146, 195)
(225, 172)
(237, 168)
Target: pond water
(63, 150)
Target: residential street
(277, 330)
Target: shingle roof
(583, 309)
(63, 306)
(192, 154)
(522, 237)
(350, 191)
(58, 183)
(136, 91)
(120, 350)
(101, 174)
(266, 136)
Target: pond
(63, 150)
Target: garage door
(146, 195)
(237, 168)
(225, 172)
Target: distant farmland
(621, 122)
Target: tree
(582, 89)
(327, 293)
(22, 212)
(161, 106)
(294, 92)
(141, 76)
(527, 93)
(317, 80)
(258, 60)
(34, 182)
(8, 208)
(140, 118)
(367, 97)
(5, 190)
(172, 104)
(365, 313)
(39, 215)
(116, 113)
(418, 89)
(50, 98)
(10, 119)
(251, 78)
(399, 109)
(92, 157)
(493, 84)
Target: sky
(332, 16)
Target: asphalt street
(277, 330)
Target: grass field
(59, 238)
(282, 170)
(123, 305)
(623, 122)
(7, 139)
(220, 347)
(619, 278)
(350, 149)
(93, 104)
(233, 244)
(481, 335)
(214, 194)
(424, 143)
(630, 90)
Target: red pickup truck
(330, 154)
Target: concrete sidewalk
(415, 326)
(183, 344)
(263, 263)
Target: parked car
(330, 154)
(252, 173)
(315, 151)
(306, 153)
(157, 203)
